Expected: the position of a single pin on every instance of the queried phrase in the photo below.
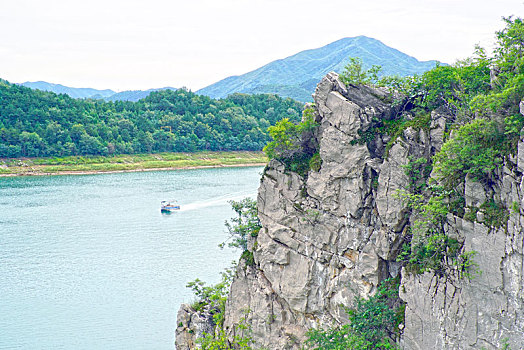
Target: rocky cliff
(335, 234)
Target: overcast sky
(131, 44)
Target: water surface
(89, 262)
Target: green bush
(213, 298)
(248, 257)
(495, 214)
(427, 246)
(396, 127)
(294, 144)
(373, 323)
(475, 149)
(508, 62)
(286, 139)
(219, 341)
(468, 89)
(246, 224)
(418, 171)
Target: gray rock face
(254, 302)
(325, 239)
(481, 313)
(335, 235)
(191, 325)
(487, 311)
(436, 134)
(474, 193)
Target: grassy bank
(134, 162)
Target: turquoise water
(89, 262)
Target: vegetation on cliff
(295, 145)
(211, 299)
(373, 323)
(355, 74)
(245, 225)
(480, 98)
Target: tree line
(36, 123)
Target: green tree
(220, 341)
(76, 133)
(290, 139)
(510, 49)
(294, 144)
(91, 145)
(31, 144)
(246, 224)
(355, 74)
(286, 140)
(212, 298)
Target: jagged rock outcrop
(191, 325)
(335, 235)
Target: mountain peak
(296, 76)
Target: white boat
(169, 206)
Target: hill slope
(296, 76)
(36, 123)
(134, 95)
(107, 94)
(72, 92)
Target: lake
(89, 262)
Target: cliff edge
(333, 235)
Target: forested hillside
(107, 94)
(297, 76)
(37, 123)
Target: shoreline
(88, 165)
(95, 172)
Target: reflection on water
(89, 262)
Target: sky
(132, 45)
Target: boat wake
(216, 201)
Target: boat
(169, 206)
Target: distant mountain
(134, 95)
(296, 76)
(108, 95)
(73, 92)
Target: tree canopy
(37, 123)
